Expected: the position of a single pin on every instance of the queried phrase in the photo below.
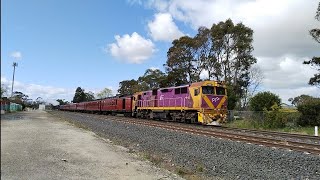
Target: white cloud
(204, 74)
(162, 28)
(97, 90)
(131, 49)
(285, 93)
(280, 27)
(154, 68)
(285, 72)
(287, 76)
(48, 93)
(134, 2)
(16, 55)
(281, 35)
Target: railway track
(313, 139)
(265, 138)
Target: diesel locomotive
(200, 102)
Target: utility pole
(14, 70)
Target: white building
(42, 107)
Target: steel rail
(271, 133)
(266, 141)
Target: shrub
(310, 111)
(264, 101)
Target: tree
(310, 111)
(299, 100)
(224, 51)
(79, 95)
(4, 90)
(231, 55)
(152, 79)
(89, 96)
(175, 77)
(127, 87)
(315, 61)
(255, 80)
(39, 100)
(181, 60)
(62, 102)
(202, 46)
(106, 92)
(20, 98)
(264, 101)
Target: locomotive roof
(184, 85)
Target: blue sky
(60, 45)
(62, 41)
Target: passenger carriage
(117, 105)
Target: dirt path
(35, 145)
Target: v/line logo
(215, 99)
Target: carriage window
(184, 90)
(177, 91)
(207, 90)
(220, 91)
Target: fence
(252, 115)
(268, 119)
(10, 107)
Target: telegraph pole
(14, 70)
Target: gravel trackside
(37, 145)
(205, 157)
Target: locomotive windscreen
(220, 91)
(207, 89)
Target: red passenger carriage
(92, 106)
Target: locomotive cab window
(196, 92)
(220, 91)
(207, 89)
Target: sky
(61, 45)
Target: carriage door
(124, 103)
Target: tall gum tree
(315, 61)
(224, 51)
(181, 61)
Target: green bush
(264, 101)
(310, 111)
(274, 119)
